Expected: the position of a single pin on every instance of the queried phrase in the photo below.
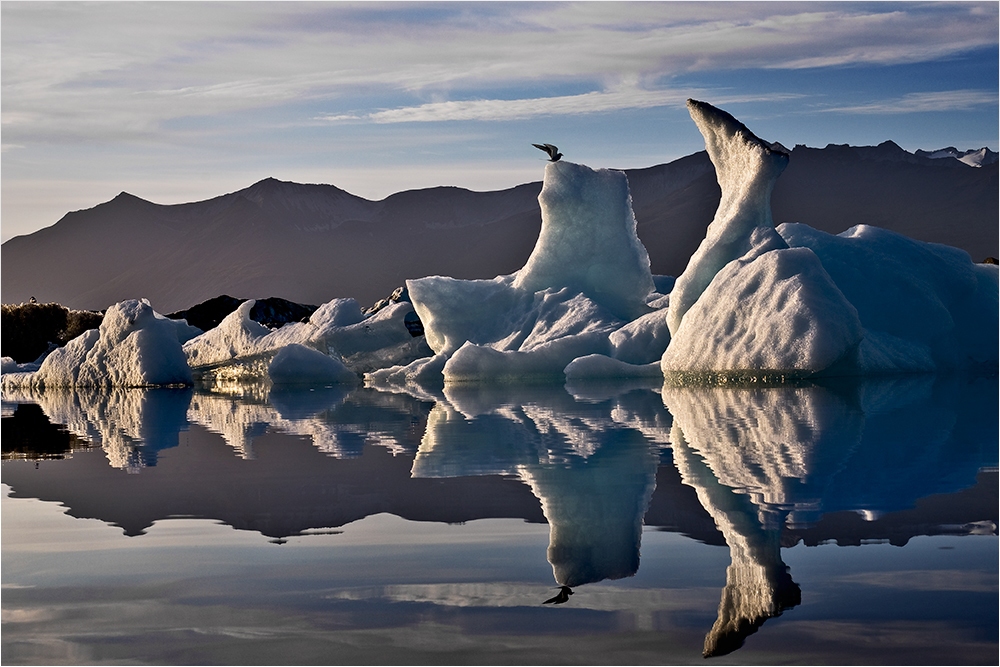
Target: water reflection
(131, 425)
(763, 459)
(590, 465)
(768, 466)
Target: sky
(183, 101)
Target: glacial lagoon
(842, 522)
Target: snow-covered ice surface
(972, 157)
(336, 344)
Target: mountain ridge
(313, 242)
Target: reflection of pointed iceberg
(763, 458)
(781, 446)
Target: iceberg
(759, 302)
(746, 168)
(336, 344)
(587, 277)
(134, 347)
(588, 240)
(756, 302)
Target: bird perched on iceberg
(553, 152)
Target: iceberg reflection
(131, 425)
(768, 467)
(767, 460)
(589, 464)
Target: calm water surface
(845, 523)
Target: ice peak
(718, 126)
(746, 168)
(588, 239)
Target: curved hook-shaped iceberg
(747, 168)
(763, 302)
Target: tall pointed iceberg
(747, 168)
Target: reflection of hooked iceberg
(758, 585)
(876, 447)
(762, 459)
(780, 447)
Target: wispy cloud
(620, 99)
(945, 100)
(496, 110)
(131, 67)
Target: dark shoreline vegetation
(33, 329)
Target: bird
(564, 591)
(553, 152)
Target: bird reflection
(563, 596)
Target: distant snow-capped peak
(972, 157)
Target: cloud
(97, 70)
(619, 99)
(966, 581)
(945, 100)
(494, 110)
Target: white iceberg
(588, 240)
(336, 344)
(134, 347)
(758, 302)
(587, 276)
(298, 364)
(746, 168)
